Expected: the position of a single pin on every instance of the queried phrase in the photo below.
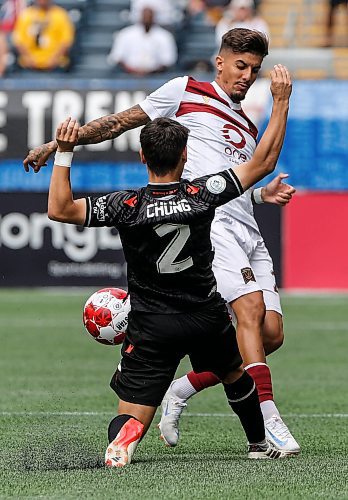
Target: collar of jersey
(233, 105)
(161, 190)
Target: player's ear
(219, 62)
(142, 157)
(184, 155)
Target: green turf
(49, 366)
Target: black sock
(243, 399)
(116, 425)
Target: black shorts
(155, 344)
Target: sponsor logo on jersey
(233, 135)
(247, 274)
(216, 184)
(99, 208)
(164, 193)
(169, 207)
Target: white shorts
(242, 263)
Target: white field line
(72, 290)
(45, 323)
(188, 414)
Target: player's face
(237, 72)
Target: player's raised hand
(281, 85)
(67, 135)
(38, 157)
(277, 191)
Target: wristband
(258, 196)
(63, 159)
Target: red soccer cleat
(120, 451)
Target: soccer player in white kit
(220, 135)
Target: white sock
(269, 409)
(183, 388)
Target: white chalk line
(185, 414)
(72, 325)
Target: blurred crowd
(40, 35)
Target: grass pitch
(55, 405)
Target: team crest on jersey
(247, 274)
(216, 184)
(206, 99)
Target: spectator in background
(3, 53)
(144, 47)
(196, 9)
(168, 12)
(43, 36)
(333, 4)
(214, 9)
(9, 12)
(202, 11)
(240, 14)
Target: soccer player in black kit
(176, 310)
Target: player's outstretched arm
(61, 205)
(102, 129)
(267, 152)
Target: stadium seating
(301, 23)
(297, 38)
(103, 19)
(196, 44)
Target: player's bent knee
(249, 309)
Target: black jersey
(165, 233)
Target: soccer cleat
(120, 451)
(279, 435)
(264, 451)
(172, 407)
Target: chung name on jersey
(167, 207)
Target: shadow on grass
(39, 453)
(60, 455)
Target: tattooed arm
(111, 126)
(99, 130)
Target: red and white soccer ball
(105, 315)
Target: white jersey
(221, 135)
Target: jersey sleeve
(218, 189)
(106, 210)
(165, 101)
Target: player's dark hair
(163, 140)
(241, 40)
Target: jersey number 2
(165, 263)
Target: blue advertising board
(315, 152)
